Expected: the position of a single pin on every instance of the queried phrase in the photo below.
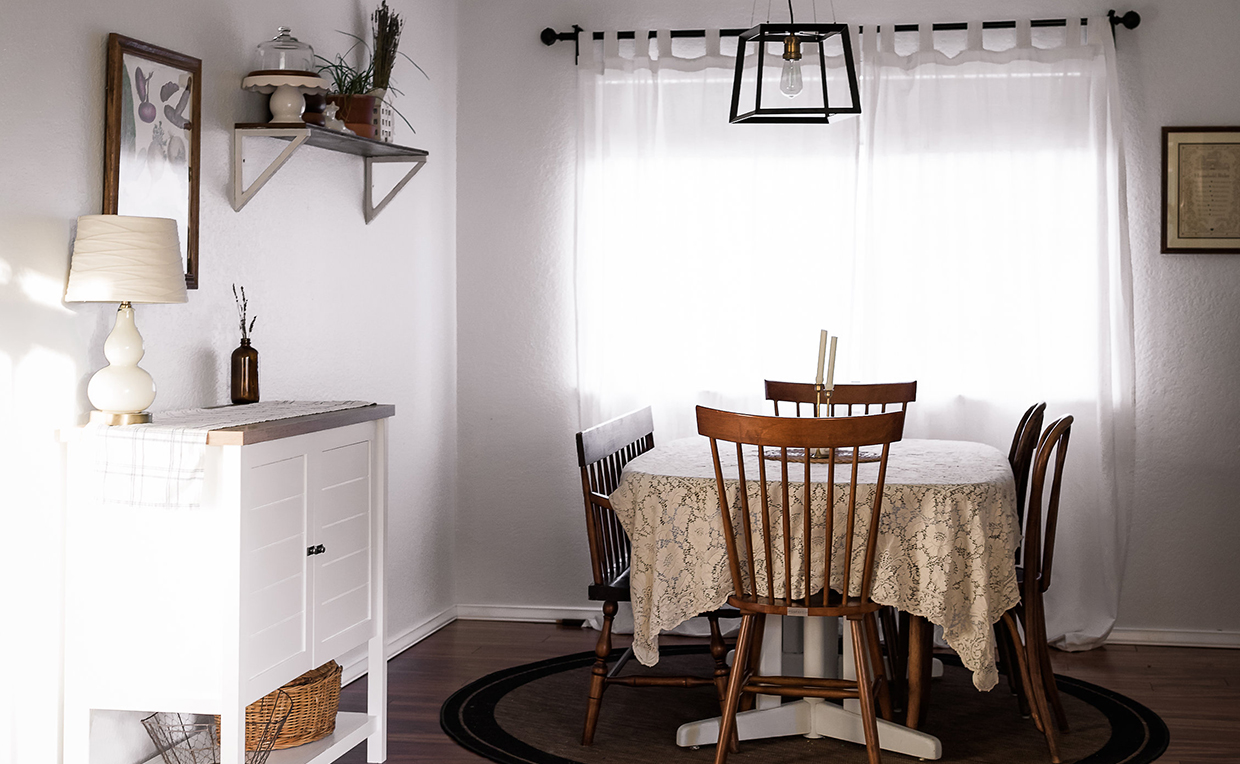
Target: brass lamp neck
(792, 48)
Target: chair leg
(736, 678)
(1007, 654)
(1031, 674)
(920, 658)
(897, 657)
(1048, 672)
(880, 668)
(865, 689)
(719, 651)
(598, 674)
(749, 699)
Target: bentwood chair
(846, 400)
(1020, 457)
(852, 400)
(1034, 576)
(769, 520)
(602, 452)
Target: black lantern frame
(806, 34)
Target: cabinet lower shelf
(351, 729)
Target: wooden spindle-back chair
(853, 400)
(772, 519)
(1038, 547)
(846, 400)
(602, 452)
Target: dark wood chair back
(761, 539)
(1042, 511)
(846, 400)
(602, 452)
(1020, 455)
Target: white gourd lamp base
(122, 390)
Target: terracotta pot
(356, 112)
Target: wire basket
(188, 739)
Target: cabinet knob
(313, 550)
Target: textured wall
(345, 310)
(516, 319)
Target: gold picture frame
(1201, 190)
(152, 138)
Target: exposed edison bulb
(790, 79)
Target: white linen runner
(161, 464)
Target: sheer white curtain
(966, 231)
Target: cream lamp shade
(119, 258)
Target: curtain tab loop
(611, 45)
(925, 34)
(869, 41)
(712, 43)
(663, 43)
(887, 41)
(1093, 32)
(588, 57)
(641, 44)
(1072, 37)
(975, 35)
(1024, 34)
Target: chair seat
(616, 591)
(834, 605)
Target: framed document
(151, 139)
(1201, 190)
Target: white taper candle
(831, 366)
(822, 354)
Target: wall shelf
(300, 134)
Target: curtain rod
(1130, 20)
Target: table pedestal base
(812, 717)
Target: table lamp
(119, 258)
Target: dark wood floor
(1195, 691)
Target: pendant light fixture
(804, 63)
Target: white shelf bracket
(369, 209)
(242, 195)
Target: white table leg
(814, 717)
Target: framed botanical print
(151, 142)
(1201, 190)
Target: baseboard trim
(523, 613)
(1169, 638)
(353, 663)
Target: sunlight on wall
(43, 290)
(37, 395)
(6, 272)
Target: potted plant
(360, 90)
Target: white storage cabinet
(205, 610)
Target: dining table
(947, 538)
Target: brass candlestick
(821, 391)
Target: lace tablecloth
(947, 539)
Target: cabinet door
(342, 482)
(275, 581)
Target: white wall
(345, 310)
(520, 503)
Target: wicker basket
(316, 698)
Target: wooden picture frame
(1201, 190)
(152, 138)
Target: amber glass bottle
(245, 373)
